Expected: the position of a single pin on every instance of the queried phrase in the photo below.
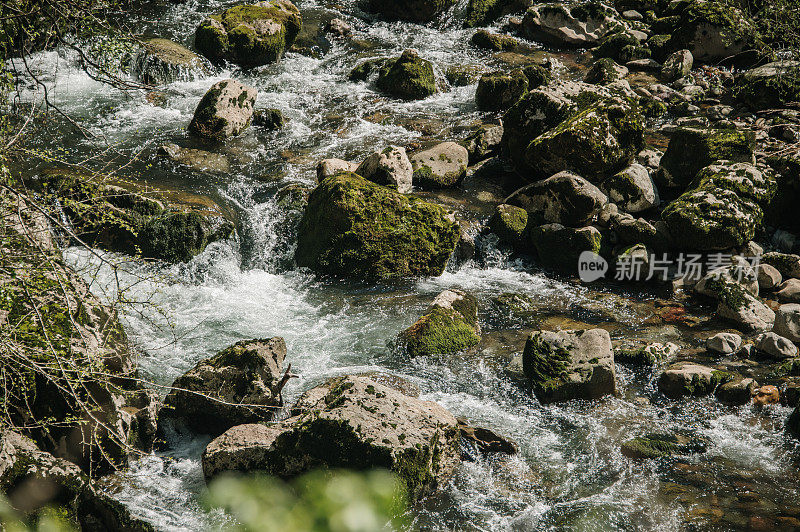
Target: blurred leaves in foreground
(320, 501)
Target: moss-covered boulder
(177, 236)
(569, 25)
(493, 41)
(632, 189)
(483, 12)
(409, 77)
(249, 35)
(769, 86)
(688, 379)
(690, 150)
(605, 71)
(410, 10)
(497, 91)
(712, 31)
(363, 71)
(240, 384)
(353, 423)
(441, 166)
(568, 365)
(355, 228)
(598, 141)
(162, 61)
(652, 446)
(723, 210)
(622, 47)
(449, 326)
(509, 223)
(564, 198)
(559, 248)
(224, 111)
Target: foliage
(320, 501)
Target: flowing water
(569, 473)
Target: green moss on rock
(409, 77)
(498, 91)
(652, 446)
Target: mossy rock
(654, 445)
(493, 41)
(409, 10)
(498, 91)
(408, 77)
(559, 248)
(483, 12)
(769, 86)
(509, 223)
(249, 35)
(179, 236)
(687, 379)
(621, 47)
(538, 76)
(649, 355)
(163, 61)
(462, 75)
(363, 71)
(449, 327)
(355, 228)
(269, 119)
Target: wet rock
(677, 65)
(793, 422)
(568, 365)
(736, 392)
(605, 71)
(197, 160)
(787, 264)
(331, 167)
(483, 12)
(688, 379)
(724, 343)
(462, 75)
(338, 27)
(744, 309)
(269, 119)
(768, 277)
(33, 479)
(723, 210)
(355, 228)
(630, 230)
(241, 384)
(644, 65)
(788, 291)
(509, 223)
(442, 166)
(162, 61)
(653, 445)
(249, 35)
(769, 86)
(712, 31)
(225, 110)
(409, 10)
(787, 321)
(690, 150)
(766, 395)
(390, 167)
(409, 77)
(580, 25)
(622, 46)
(493, 41)
(564, 198)
(449, 326)
(559, 248)
(497, 91)
(484, 142)
(178, 236)
(355, 423)
(479, 442)
(649, 355)
(775, 346)
(632, 189)
(363, 71)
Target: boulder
(649, 355)
(497, 91)
(568, 365)
(788, 291)
(240, 384)
(736, 392)
(564, 198)
(787, 321)
(630, 230)
(224, 111)
(559, 248)
(389, 167)
(724, 343)
(483, 12)
(632, 189)
(331, 167)
(410, 10)
(449, 326)
(739, 272)
(269, 119)
(691, 149)
(689, 379)
(565, 25)
(509, 224)
(793, 422)
(493, 41)
(787, 264)
(197, 160)
(178, 236)
(249, 35)
(711, 31)
(768, 277)
(677, 65)
(775, 346)
(355, 228)
(769, 86)
(352, 423)
(484, 142)
(409, 77)
(722, 210)
(743, 308)
(651, 446)
(162, 61)
(605, 71)
(441, 166)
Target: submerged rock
(653, 445)
(390, 167)
(355, 228)
(249, 35)
(568, 365)
(688, 379)
(441, 166)
(449, 326)
(162, 61)
(224, 111)
(349, 422)
(197, 160)
(241, 384)
(408, 77)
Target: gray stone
(568, 25)
(724, 343)
(775, 346)
(688, 379)
(787, 321)
(441, 166)
(789, 291)
(330, 167)
(564, 198)
(632, 189)
(768, 277)
(677, 65)
(390, 167)
(224, 111)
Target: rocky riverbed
(540, 260)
